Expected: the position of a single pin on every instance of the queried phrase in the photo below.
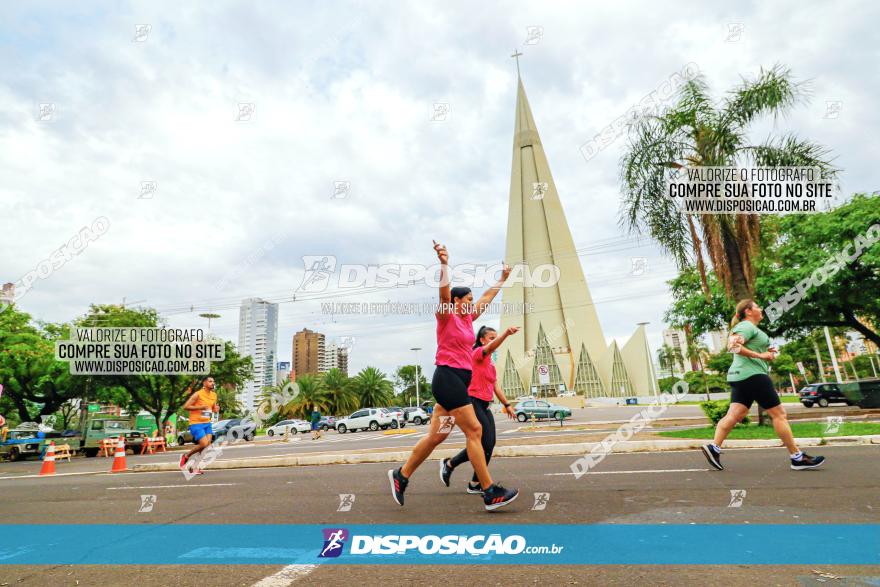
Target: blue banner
(560, 544)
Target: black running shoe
(445, 472)
(474, 488)
(398, 485)
(713, 455)
(496, 496)
(807, 462)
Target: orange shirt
(203, 415)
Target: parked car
(370, 419)
(294, 426)
(523, 398)
(541, 409)
(327, 422)
(822, 394)
(416, 416)
(567, 394)
(397, 411)
(235, 430)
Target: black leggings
(484, 415)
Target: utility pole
(416, 350)
(833, 355)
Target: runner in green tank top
(750, 382)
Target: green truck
(27, 440)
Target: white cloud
(343, 92)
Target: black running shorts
(449, 386)
(757, 388)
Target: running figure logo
(147, 503)
(334, 541)
(833, 424)
(447, 423)
(737, 496)
(346, 500)
(318, 268)
(541, 500)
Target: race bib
(207, 413)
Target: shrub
(717, 409)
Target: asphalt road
(643, 488)
(333, 442)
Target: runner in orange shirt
(201, 405)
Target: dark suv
(822, 394)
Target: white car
(567, 394)
(416, 416)
(370, 419)
(294, 425)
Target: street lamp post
(416, 350)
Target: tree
(802, 246)
(695, 352)
(720, 362)
(343, 399)
(405, 385)
(34, 382)
(670, 358)
(312, 395)
(372, 388)
(163, 395)
(695, 133)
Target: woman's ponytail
(740, 313)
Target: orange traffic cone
(119, 458)
(49, 461)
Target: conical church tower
(562, 331)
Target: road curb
(531, 450)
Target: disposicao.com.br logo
(431, 544)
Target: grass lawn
(786, 399)
(800, 430)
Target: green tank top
(756, 341)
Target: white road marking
(176, 486)
(286, 576)
(632, 472)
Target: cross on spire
(516, 55)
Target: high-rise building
(282, 372)
(308, 352)
(560, 344)
(258, 339)
(335, 356)
(719, 340)
(676, 340)
(329, 359)
(7, 294)
(342, 359)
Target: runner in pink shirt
(452, 376)
(484, 384)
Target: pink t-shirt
(455, 337)
(482, 375)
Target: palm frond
(773, 91)
(790, 151)
(652, 152)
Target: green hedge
(717, 409)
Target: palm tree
(695, 352)
(312, 395)
(372, 388)
(696, 132)
(669, 358)
(271, 401)
(343, 399)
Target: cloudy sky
(131, 111)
